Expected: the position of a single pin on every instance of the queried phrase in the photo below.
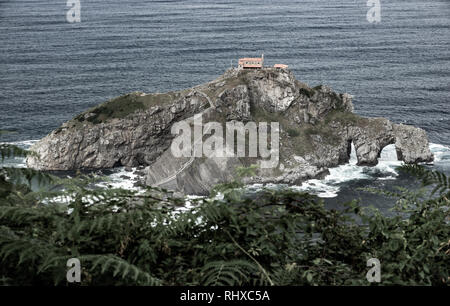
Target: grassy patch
(301, 144)
(318, 87)
(307, 92)
(214, 91)
(343, 117)
(161, 99)
(125, 105)
(115, 108)
(293, 132)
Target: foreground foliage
(266, 238)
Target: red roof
(251, 59)
(251, 62)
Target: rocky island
(317, 127)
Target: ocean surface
(52, 70)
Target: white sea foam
(24, 144)
(327, 188)
(441, 152)
(321, 188)
(385, 170)
(122, 179)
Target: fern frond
(428, 177)
(25, 215)
(120, 267)
(227, 273)
(27, 176)
(9, 150)
(106, 223)
(24, 250)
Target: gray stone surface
(317, 128)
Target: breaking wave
(328, 187)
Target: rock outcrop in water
(317, 127)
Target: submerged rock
(317, 128)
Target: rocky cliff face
(317, 127)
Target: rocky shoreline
(317, 128)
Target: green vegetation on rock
(125, 105)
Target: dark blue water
(51, 70)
